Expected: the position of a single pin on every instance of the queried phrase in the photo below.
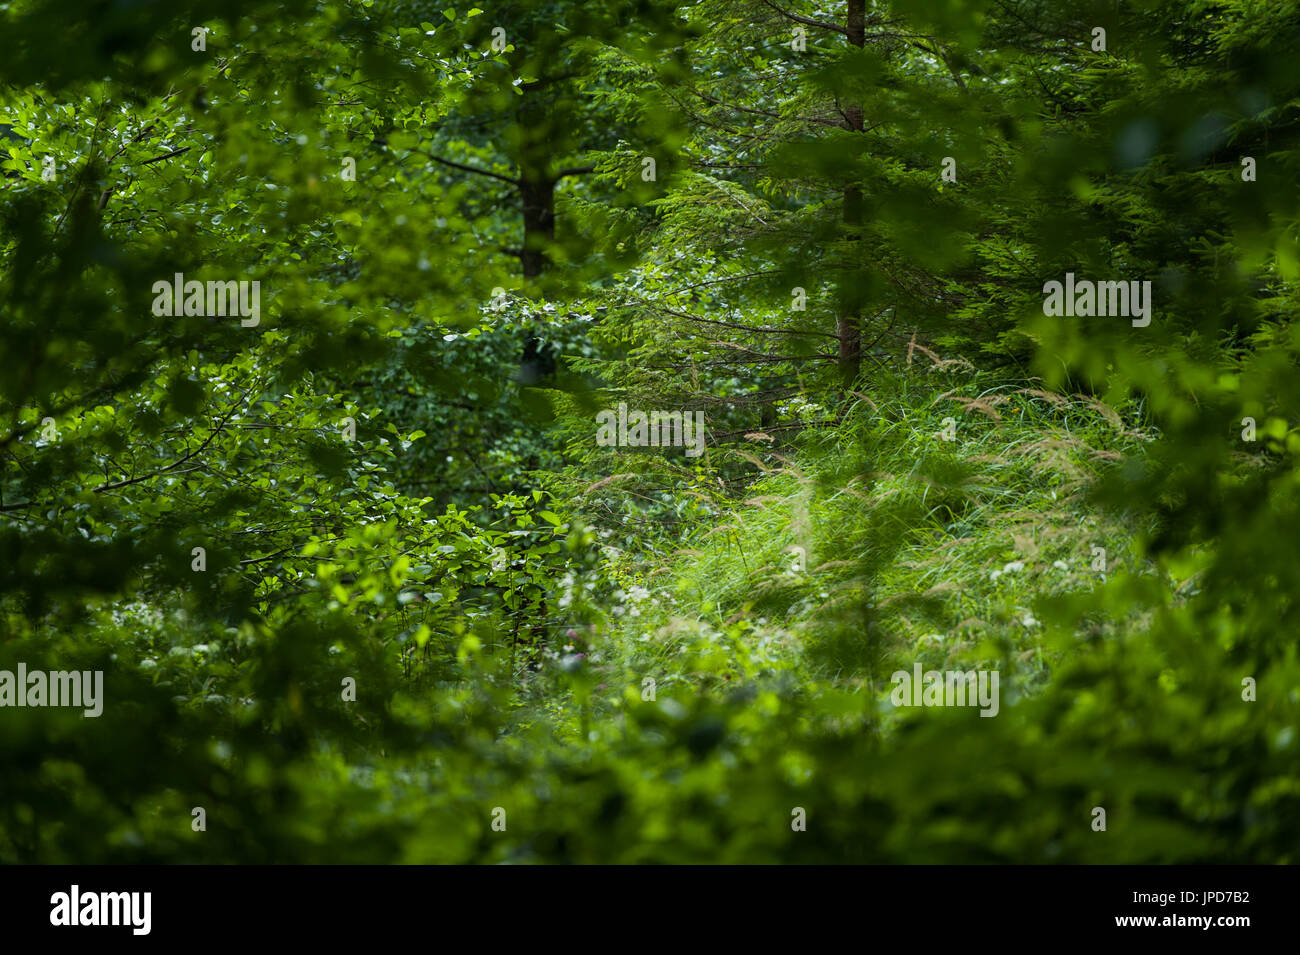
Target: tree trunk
(849, 325)
(537, 193)
(538, 197)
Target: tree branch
(174, 152)
(175, 464)
(807, 20)
(461, 166)
(757, 330)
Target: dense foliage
(362, 581)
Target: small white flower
(1014, 567)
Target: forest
(649, 431)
